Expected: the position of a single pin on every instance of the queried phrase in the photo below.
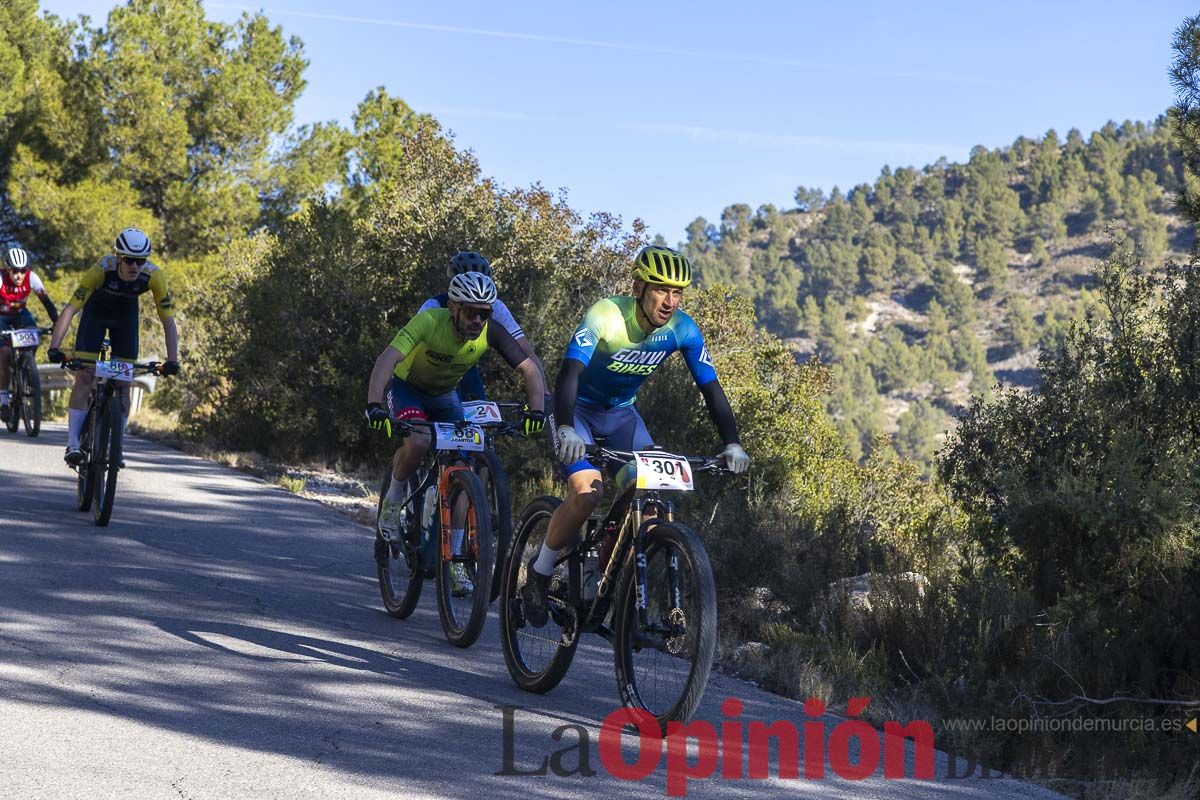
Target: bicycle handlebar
(701, 463)
(8, 332)
(407, 425)
(76, 364)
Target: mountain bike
(24, 382)
(636, 561)
(442, 490)
(103, 431)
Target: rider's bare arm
(381, 373)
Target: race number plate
(26, 337)
(114, 370)
(482, 411)
(450, 438)
(657, 470)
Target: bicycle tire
(14, 396)
(84, 484)
(661, 540)
(399, 580)
(495, 484)
(463, 633)
(31, 396)
(107, 462)
(538, 680)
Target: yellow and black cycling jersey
(102, 290)
(436, 357)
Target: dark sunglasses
(137, 262)
(19, 269)
(482, 314)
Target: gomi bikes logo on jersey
(636, 362)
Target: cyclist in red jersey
(17, 282)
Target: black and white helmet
(15, 258)
(473, 287)
(468, 261)
(132, 243)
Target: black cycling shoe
(5, 413)
(74, 457)
(533, 596)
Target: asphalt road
(223, 638)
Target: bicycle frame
(629, 509)
(437, 468)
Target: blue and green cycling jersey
(617, 355)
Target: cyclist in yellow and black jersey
(107, 302)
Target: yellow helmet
(662, 265)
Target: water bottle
(606, 546)
(591, 575)
(429, 508)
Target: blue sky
(669, 111)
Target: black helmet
(468, 261)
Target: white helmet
(473, 287)
(16, 258)
(132, 243)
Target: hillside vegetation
(934, 284)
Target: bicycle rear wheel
(664, 667)
(397, 564)
(537, 658)
(31, 396)
(463, 615)
(106, 461)
(495, 484)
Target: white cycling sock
(544, 565)
(75, 418)
(395, 492)
(456, 537)
(3, 398)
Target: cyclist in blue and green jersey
(620, 343)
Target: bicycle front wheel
(495, 484)
(397, 564)
(663, 667)
(14, 393)
(537, 658)
(106, 461)
(464, 581)
(31, 397)
(84, 485)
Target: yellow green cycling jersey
(436, 357)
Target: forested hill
(936, 283)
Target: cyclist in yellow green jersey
(417, 373)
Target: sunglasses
(19, 269)
(482, 314)
(137, 262)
